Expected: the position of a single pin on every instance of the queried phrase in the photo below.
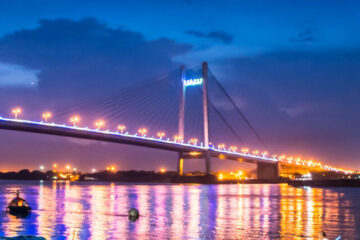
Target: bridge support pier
(180, 164)
(267, 171)
(208, 163)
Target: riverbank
(128, 177)
(326, 183)
(152, 177)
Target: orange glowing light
(111, 168)
(46, 116)
(245, 150)
(121, 128)
(177, 138)
(74, 120)
(193, 141)
(162, 170)
(256, 152)
(194, 153)
(233, 148)
(99, 124)
(220, 176)
(160, 134)
(221, 146)
(142, 131)
(16, 111)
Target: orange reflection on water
(192, 227)
(308, 211)
(46, 203)
(239, 211)
(177, 228)
(73, 211)
(99, 201)
(142, 194)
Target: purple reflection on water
(99, 211)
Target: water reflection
(99, 211)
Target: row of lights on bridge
(111, 168)
(101, 123)
(143, 131)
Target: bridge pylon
(180, 165)
(206, 116)
(268, 171)
(181, 133)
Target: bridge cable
(242, 115)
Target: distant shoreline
(134, 177)
(151, 177)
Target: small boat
(18, 206)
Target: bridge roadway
(190, 150)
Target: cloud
(306, 36)
(303, 102)
(297, 110)
(12, 75)
(86, 57)
(214, 35)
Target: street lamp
(46, 116)
(233, 148)
(245, 150)
(177, 138)
(54, 167)
(142, 131)
(121, 128)
(16, 112)
(221, 146)
(194, 141)
(99, 124)
(75, 120)
(160, 135)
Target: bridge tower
(203, 82)
(180, 165)
(206, 116)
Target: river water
(245, 211)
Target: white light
(42, 167)
(193, 82)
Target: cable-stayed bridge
(203, 125)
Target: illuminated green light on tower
(193, 82)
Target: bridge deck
(123, 138)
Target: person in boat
(19, 205)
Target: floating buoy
(323, 235)
(133, 214)
(18, 206)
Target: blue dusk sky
(293, 67)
